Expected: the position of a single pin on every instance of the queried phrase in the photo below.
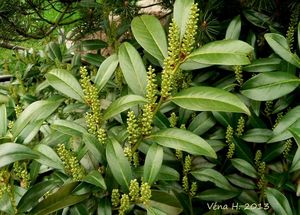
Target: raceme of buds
(287, 147)
(20, 170)
(190, 32)
(134, 189)
(145, 192)
(71, 163)
(229, 141)
(151, 87)
(187, 165)
(238, 74)
(124, 204)
(173, 120)
(146, 120)
(115, 197)
(240, 127)
(133, 128)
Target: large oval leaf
(278, 202)
(183, 140)
(11, 152)
(88, 45)
(118, 163)
(123, 104)
(31, 197)
(150, 34)
(153, 163)
(3, 120)
(263, 65)
(64, 82)
(133, 68)
(213, 176)
(68, 127)
(216, 194)
(244, 167)
(41, 109)
(209, 99)
(60, 199)
(270, 85)
(234, 29)
(95, 178)
(280, 46)
(48, 157)
(106, 70)
(224, 52)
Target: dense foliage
(198, 115)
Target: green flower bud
(173, 120)
(115, 197)
(193, 189)
(240, 127)
(136, 159)
(132, 128)
(238, 74)
(124, 204)
(257, 159)
(229, 135)
(231, 150)
(287, 147)
(178, 154)
(187, 165)
(151, 87)
(185, 183)
(146, 120)
(134, 190)
(145, 193)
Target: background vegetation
(106, 110)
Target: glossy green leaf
(181, 14)
(296, 161)
(241, 182)
(29, 132)
(41, 109)
(280, 46)
(166, 202)
(202, 123)
(60, 199)
(213, 176)
(257, 135)
(209, 99)
(3, 120)
(94, 146)
(278, 202)
(94, 59)
(11, 152)
(183, 140)
(289, 120)
(153, 163)
(150, 34)
(256, 18)
(224, 52)
(167, 173)
(122, 104)
(54, 51)
(296, 134)
(6, 205)
(263, 65)
(48, 157)
(254, 211)
(95, 178)
(155, 211)
(234, 29)
(32, 196)
(68, 127)
(216, 194)
(133, 68)
(88, 45)
(106, 70)
(244, 167)
(270, 85)
(118, 163)
(104, 207)
(64, 82)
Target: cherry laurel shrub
(174, 128)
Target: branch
(11, 46)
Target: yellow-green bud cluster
(18, 110)
(173, 120)
(268, 107)
(257, 158)
(71, 163)
(190, 32)
(145, 193)
(115, 197)
(132, 128)
(146, 120)
(135, 159)
(124, 204)
(151, 87)
(119, 77)
(240, 127)
(261, 172)
(187, 165)
(238, 74)
(287, 147)
(134, 190)
(93, 118)
(183, 126)
(6, 188)
(178, 154)
(229, 141)
(291, 29)
(278, 118)
(194, 188)
(20, 170)
(171, 61)
(185, 183)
